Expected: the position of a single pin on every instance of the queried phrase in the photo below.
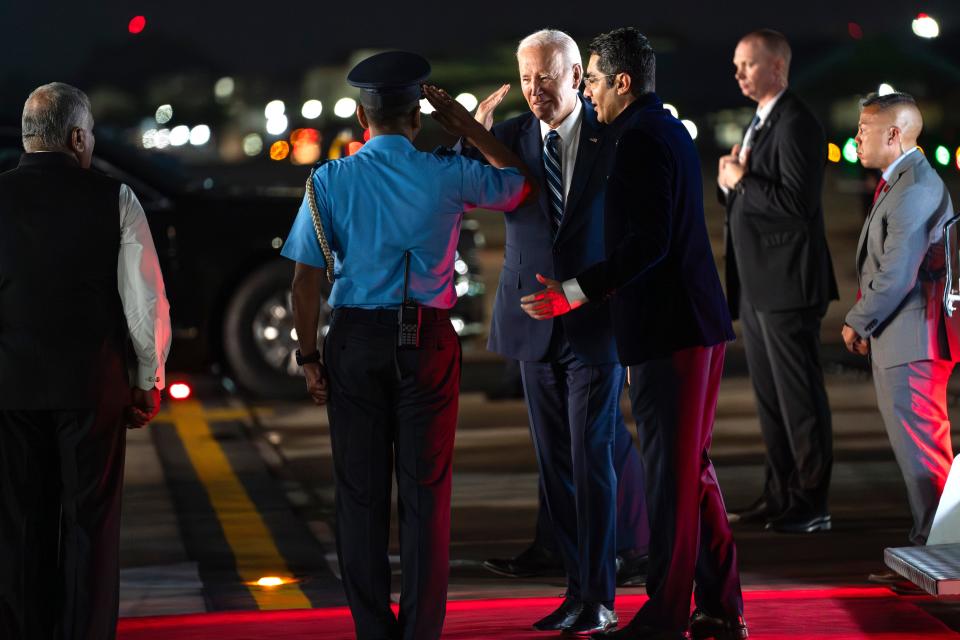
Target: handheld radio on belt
(409, 320)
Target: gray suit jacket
(901, 270)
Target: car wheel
(259, 339)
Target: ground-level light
(180, 391)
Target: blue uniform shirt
(389, 198)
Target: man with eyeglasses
(671, 326)
(571, 377)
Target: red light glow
(855, 30)
(137, 24)
(180, 391)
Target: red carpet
(823, 614)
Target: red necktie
(880, 186)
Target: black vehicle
(219, 248)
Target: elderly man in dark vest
(78, 275)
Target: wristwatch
(308, 359)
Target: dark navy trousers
(573, 414)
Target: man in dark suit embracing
(569, 366)
(671, 323)
(780, 281)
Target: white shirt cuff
(574, 294)
(150, 376)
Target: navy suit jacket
(531, 249)
(659, 271)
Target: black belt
(387, 316)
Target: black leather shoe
(594, 618)
(761, 510)
(704, 626)
(632, 570)
(534, 561)
(637, 631)
(564, 616)
(795, 521)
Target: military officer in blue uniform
(384, 224)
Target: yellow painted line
(249, 538)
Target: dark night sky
(41, 40)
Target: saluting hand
(548, 303)
(484, 113)
(316, 376)
(451, 115)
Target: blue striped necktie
(554, 168)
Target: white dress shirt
(142, 293)
(569, 132)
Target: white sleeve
(141, 290)
(574, 294)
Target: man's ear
(624, 84)
(78, 140)
(415, 119)
(362, 117)
(577, 75)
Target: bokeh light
(468, 100)
(137, 24)
(425, 107)
(855, 30)
(924, 26)
(277, 125)
(672, 109)
(164, 114)
(885, 89)
(345, 107)
(200, 135)
(311, 109)
(179, 135)
(252, 144)
(833, 153)
(279, 150)
(274, 109)
(850, 150)
(942, 155)
(224, 87)
(691, 128)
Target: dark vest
(62, 328)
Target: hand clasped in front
(548, 303)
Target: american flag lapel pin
(593, 139)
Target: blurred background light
(136, 24)
(672, 109)
(180, 391)
(200, 135)
(274, 109)
(149, 139)
(925, 26)
(311, 109)
(345, 107)
(179, 135)
(850, 150)
(958, 158)
(162, 139)
(277, 125)
(942, 155)
(886, 89)
(224, 87)
(691, 128)
(855, 30)
(425, 107)
(468, 100)
(164, 114)
(252, 144)
(279, 150)
(833, 153)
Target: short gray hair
(555, 39)
(887, 101)
(50, 114)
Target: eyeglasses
(591, 81)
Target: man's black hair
(626, 50)
(389, 116)
(886, 101)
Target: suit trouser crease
(912, 398)
(674, 401)
(61, 474)
(378, 425)
(572, 410)
(783, 357)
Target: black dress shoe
(594, 618)
(534, 561)
(632, 570)
(800, 521)
(760, 510)
(704, 626)
(564, 616)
